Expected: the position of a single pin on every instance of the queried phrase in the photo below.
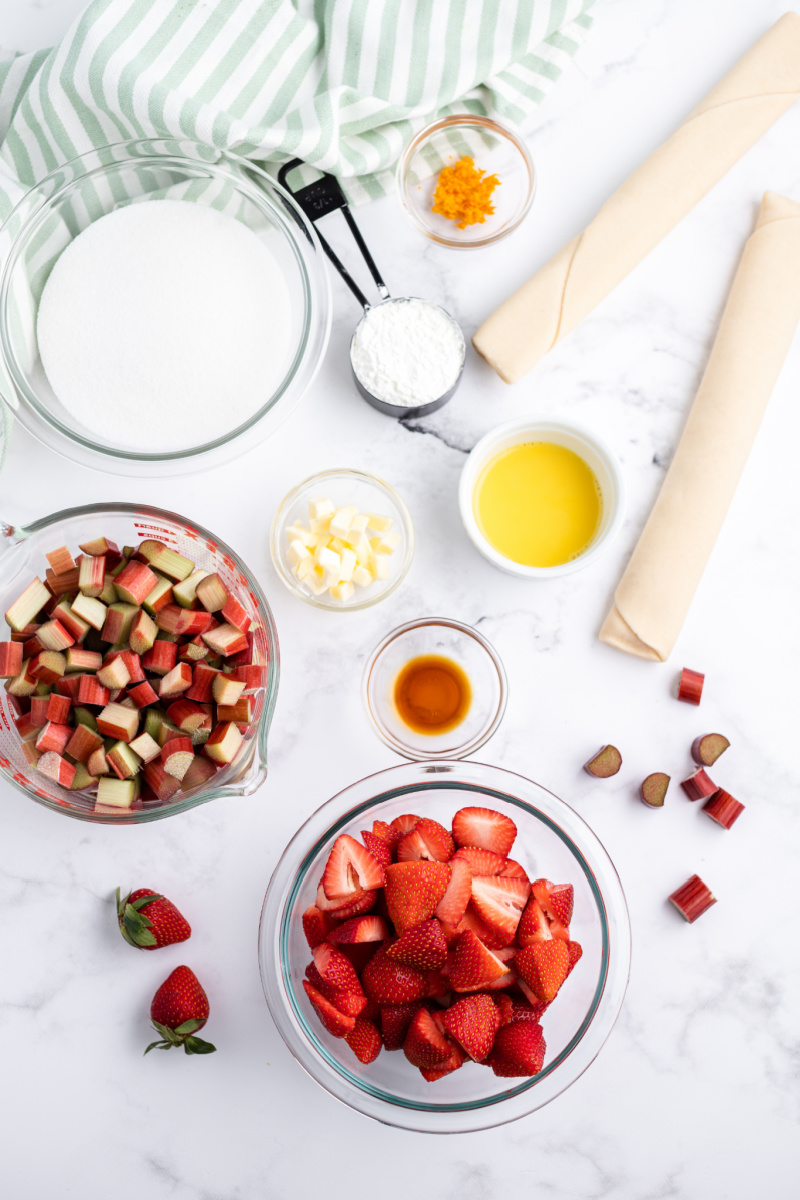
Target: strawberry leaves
(135, 927)
(181, 1036)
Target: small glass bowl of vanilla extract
(434, 688)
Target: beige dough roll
(758, 90)
(754, 336)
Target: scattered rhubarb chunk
(707, 749)
(605, 763)
(692, 899)
(690, 686)
(698, 786)
(654, 789)
(723, 809)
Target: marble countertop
(695, 1093)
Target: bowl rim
(483, 122)
(522, 426)
(251, 180)
(300, 1037)
(252, 769)
(279, 520)
(480, 738)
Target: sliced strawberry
(404, 824)
(482, 862)
(425, 1045)
(429, 840)
(518, 1050)
(317, 925)
(499, 902)
(345, 907)
(413, 891)
(349, 1001)
(382, 830)
(513, 870)
(533, 925)
(529, 996)
(364, 1039)
(457, 1058)
(337, 971)
(473, 1022)
(389, 982)
(556, 899)
(372, 1012)
(453, 904)
(543, 966)
(335, 1022)
(575, 952)
(350, 868)
(395, 1020)
(485, 828)
(474, 966)
(423, 947)
(527, 1010)
(378, 847)
(361, 929)
(472, 921)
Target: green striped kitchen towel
(342, 84)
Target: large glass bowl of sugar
(167, 340)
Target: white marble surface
(695, 1093)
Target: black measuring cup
(317, 200)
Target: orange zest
(463, 193)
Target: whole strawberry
(148, 920)
(179, 1009)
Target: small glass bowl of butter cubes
(342, 540)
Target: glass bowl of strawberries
(445, 946)
(140, 665)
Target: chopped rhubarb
(227, 690)
(235, 614)
(54, 767)
(118, 722)
(692, 899)
(723, 809)
(224, 743)
(48, 666)
(241, 713)
(690, 686)
(123, 761)
(118, 622)
(90, 610)
(185, 622)
(175, 682)
(58, 708)
(225, 640)
(98, 763)
(53, 636)
(28, 605)
(177, 756)
(163, 785)
(654, 789)
(605, 763)
(10, 659)
(114, 674)
(212, 593)
(116, 793)
(201, 769)
(135, 582)
(202, 688)
(146, 747)
(698, 786)
(83, 743)
(188, 715)
(91, 691)
(61, 560)
(707, 749)
(91, 575)
(143, 694)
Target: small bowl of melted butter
(434, 688)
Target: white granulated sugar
(164, 325)
(407, 352)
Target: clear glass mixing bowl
(63, 204)
(22, 551)
(552, 841)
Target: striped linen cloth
(341, 84)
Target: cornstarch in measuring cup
(164, 325)
(407, 352)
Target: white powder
(164, 325)
(407, 352)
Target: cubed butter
(359, 524)
(297, 552)
(348, 558)
(378, 523)
(342, 591)
(320, 524)
(383, 568)
(304, 568)
(321, 507)
(329, 560)
(340, 522)
(298, 533)
(362, 576)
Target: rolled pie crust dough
(751, 97)
(754, 336)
